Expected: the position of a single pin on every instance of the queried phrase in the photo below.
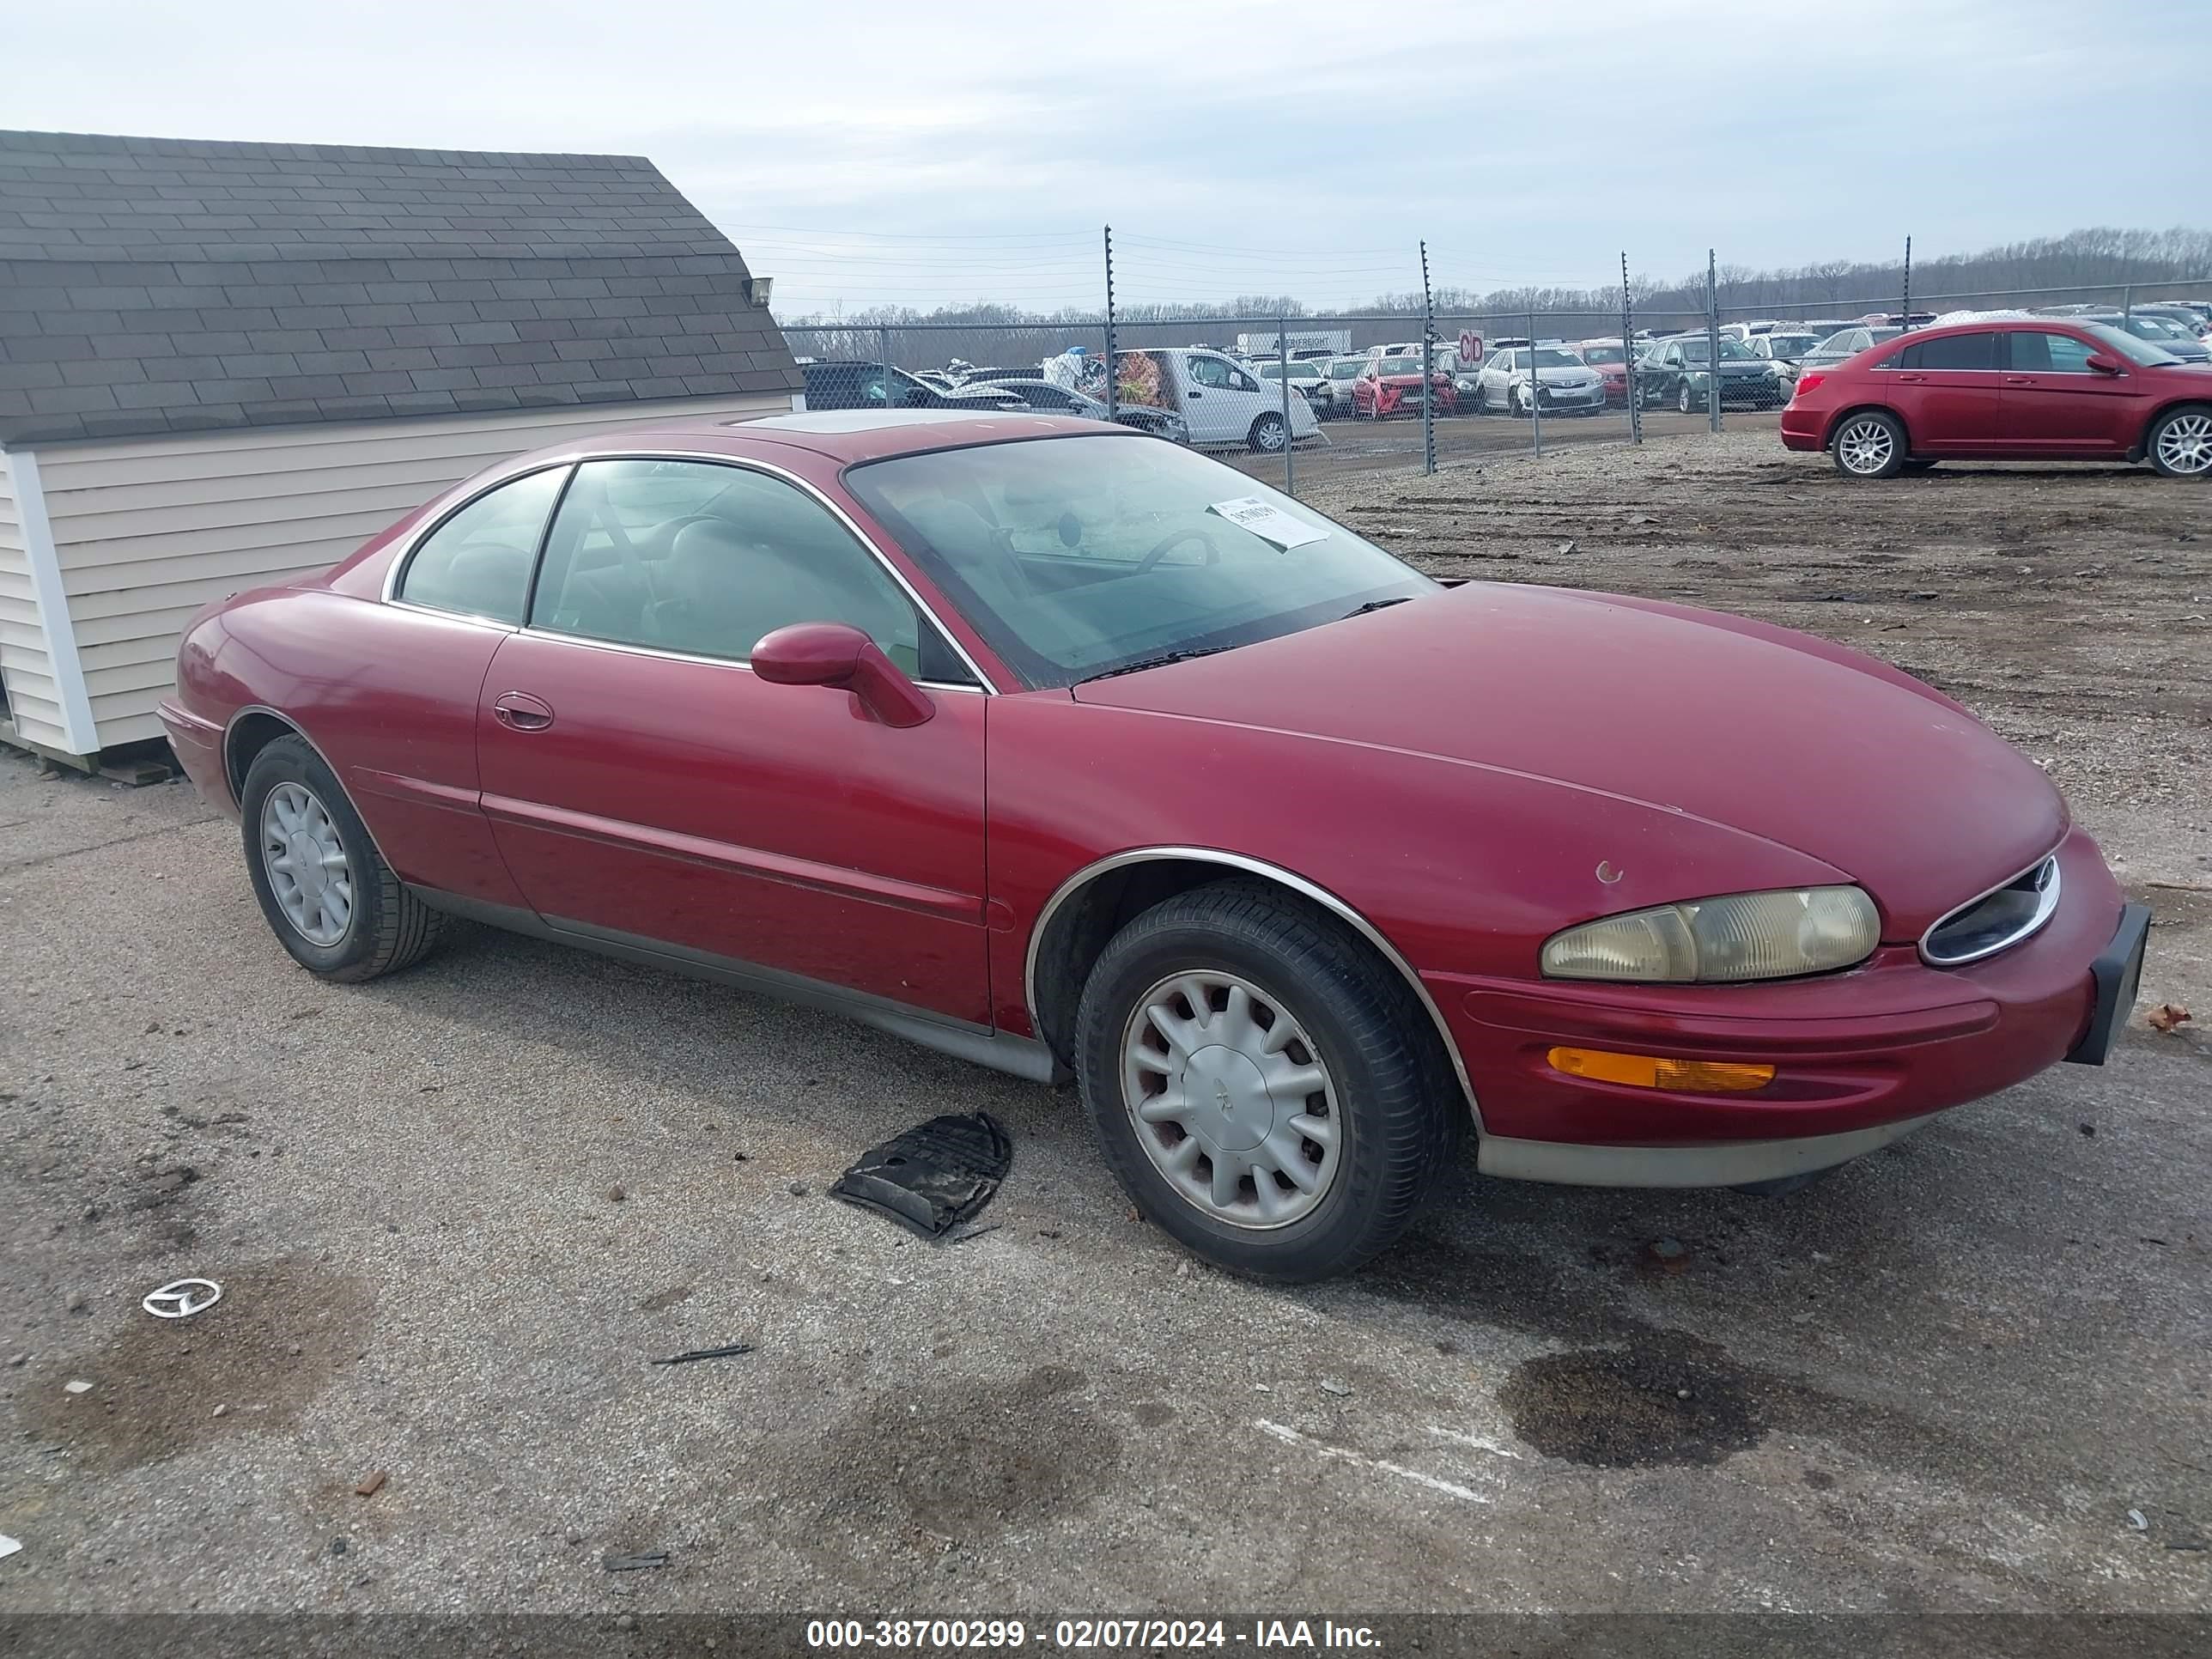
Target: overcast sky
(932, 151)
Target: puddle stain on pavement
(1631, 1394)
(156, 1383)
(964, 1456)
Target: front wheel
(1516, 404)
(1869, 445)
(1260, 1083)
(2180, 444)
(1269, 435)
(1684, 401)
(327, 893)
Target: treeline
(2098, 264)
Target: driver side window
(704, 560)
(1210, 372)
(477, 562)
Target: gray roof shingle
(152, 285)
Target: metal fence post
(1113, 369)
(1536, 408)
(1628, 357)
(1712, 341)
(1428, 368)
(1283, 362)
(2127, 302)
(1904, 317)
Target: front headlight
(1744, 936)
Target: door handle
(2018, 379)
(518, 711)
(1197, 394)
(1914, 379)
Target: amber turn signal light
(1706, 1076)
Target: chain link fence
(1294, 399)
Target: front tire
(1261, 1085)
(1869, 445)
(2180, 444)
(1269, 435)
(325, 891)
(1683, 401)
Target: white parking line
(1290, 1437)
(1474, 1440)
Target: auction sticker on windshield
(1268, 522)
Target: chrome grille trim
(2043, 874)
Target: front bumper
(198, 746)
(1860, 1056)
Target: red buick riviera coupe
(1067, 751)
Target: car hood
(1768, 732)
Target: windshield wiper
(1375, 605)
(1159, 661)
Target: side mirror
(840, 655)
(2104, 364)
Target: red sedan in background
(1392, 386)
(1610, 360)
(1069, 751)
(2034, 388)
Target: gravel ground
(457, 1213)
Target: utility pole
(1113, 368)
(1535, 381)
(1628, 357)
(1428, 368)
(1712, 341)
(1904, 317)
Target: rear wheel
(1269, 435)
(326, 891)
(2180, 444)
(1869, 445)
(1260, 1083)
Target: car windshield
(1603, 354)
(1347, 368)
(1076, 556)
(1547, 357)
(1398, 366)
(1732, 349)
(2152, 327)
(2148, 353)
(1790, 346)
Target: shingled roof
(152, 285)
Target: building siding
(146, 531)
(34, 703)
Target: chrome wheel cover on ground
(1865, 446)
(2184, 444)
(308, 872)
(1230, 1100)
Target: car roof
(846, 435)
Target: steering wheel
(1177, 539)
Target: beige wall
(146, 531)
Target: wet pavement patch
(1663, 1399)
(934, 1176)
(282, 1330)
(964, 1456)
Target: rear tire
(1363, 1069)
(1869, 445)
(2180, 442)
(383, 928)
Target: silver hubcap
(2184, 444)
(306, 865)
(1230, 1100)
(1865, 446)
(1271, 435)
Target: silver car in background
(1556, 382)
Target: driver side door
(649, 791)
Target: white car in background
(1308, 380)
(1222, 403)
